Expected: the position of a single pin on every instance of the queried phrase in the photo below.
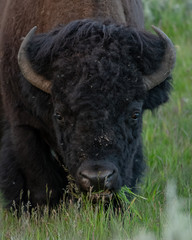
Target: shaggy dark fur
(94, 112)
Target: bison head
(100, 78)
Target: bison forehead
(99, 81)
(97, 69)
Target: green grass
(167, 138)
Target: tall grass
(167, 138)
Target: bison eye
(135, 115)
(58, 116)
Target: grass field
(164, 211)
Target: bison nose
(97, 177)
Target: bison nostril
(98, 179)
(100, 175)
(110, 175)
(82, 174)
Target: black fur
(96, 70)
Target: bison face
(98, 115)
(100, 78)
(99, 146)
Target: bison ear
(158, 95)
(25, 65)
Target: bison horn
(167, 65)
(25, 66)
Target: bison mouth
(103, 196)
(75, 193)
(105, 199)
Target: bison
(73, 101)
